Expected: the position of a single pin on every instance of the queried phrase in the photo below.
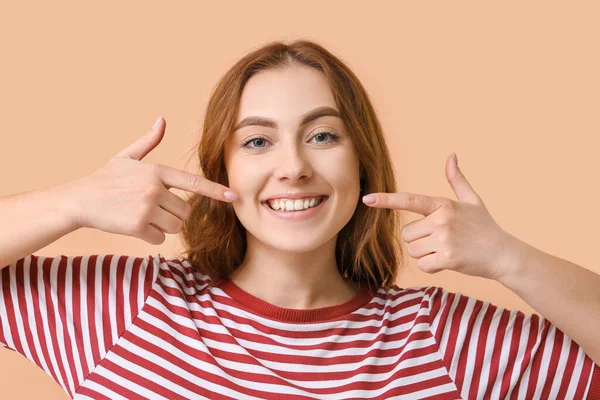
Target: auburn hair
(368, 249)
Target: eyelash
(333, 136)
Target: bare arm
(125, 196)
(564, 293)
(32, 220)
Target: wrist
(66, 204)
(513, 259)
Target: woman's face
(290, 157)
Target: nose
(292, 162)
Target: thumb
(141, 147)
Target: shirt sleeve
(64, 313)
(492, 352)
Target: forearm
(32, 220)
(564, 293)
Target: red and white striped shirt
(126, 327)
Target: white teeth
(293, 205)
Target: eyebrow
(308, 117)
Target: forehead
(284, 94)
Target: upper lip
(297, 195)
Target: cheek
(245, 179)
(341, 170)
(238, 172)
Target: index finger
(173, 177)
(413, 202)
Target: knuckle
(446, 221)
(448, 257)
(194, 181)
(410, 200)
(144, 214)
(443, 238)
(449, 205)
(442, 221)
(152, 192)
(155, 169)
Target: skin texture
(292, 264)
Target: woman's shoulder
(405, 299)
(180, 271)
(396, 292)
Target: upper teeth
(292, 205)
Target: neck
(293, 280)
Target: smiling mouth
(320, 199)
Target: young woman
(286, 289)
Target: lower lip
(296, 215)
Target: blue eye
(245, 144)
(333, 138)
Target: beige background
(514, 89)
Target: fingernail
(230, 195)
(157, 122)
(370, 198)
